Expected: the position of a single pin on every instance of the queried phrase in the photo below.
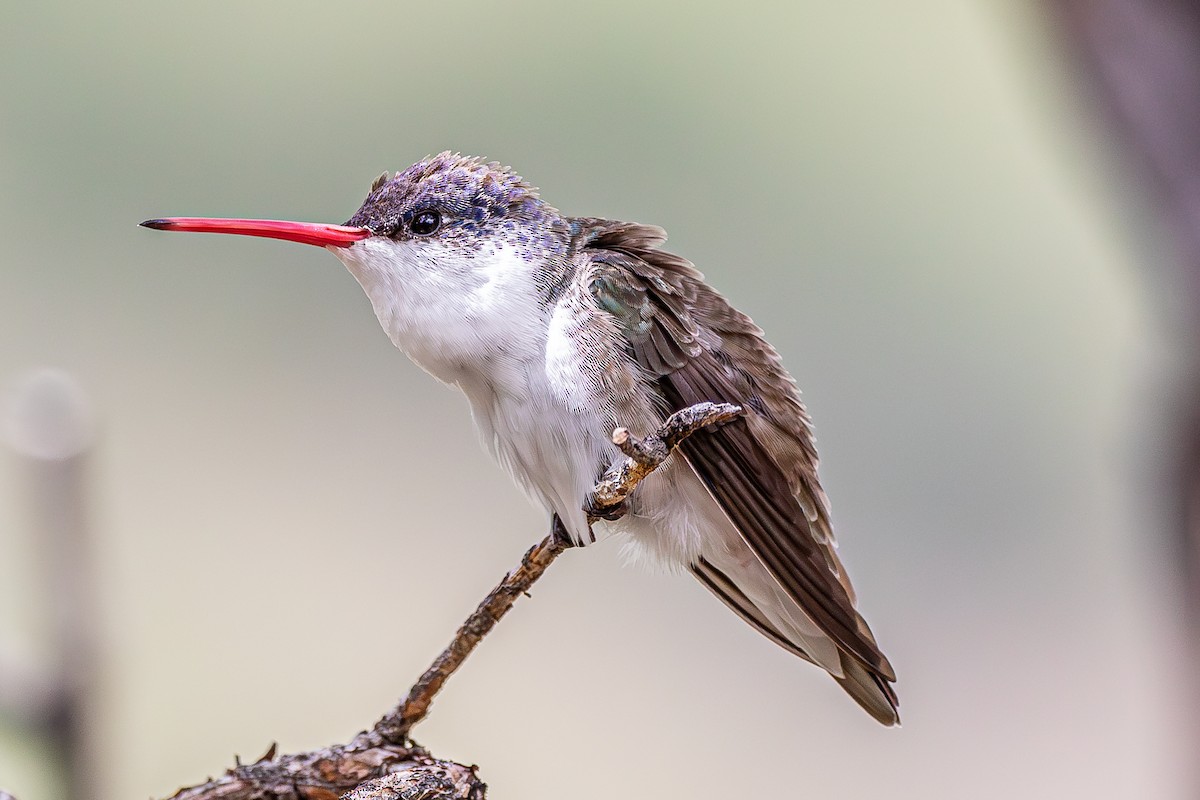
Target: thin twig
(641, 458)
(385, 752)
(645, 455)
(395, 725)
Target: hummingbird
(560, 329)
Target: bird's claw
(609, 513)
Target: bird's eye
(425, 223)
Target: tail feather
(869, 690)
(867, 687)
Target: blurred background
(920, 203)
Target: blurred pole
(1141, 59)
(48, 424)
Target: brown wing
(761, 469)
(870, 689)
(720, 584)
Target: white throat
(460, 318)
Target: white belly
(555, 453)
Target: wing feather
(719, 584)
(760, 469)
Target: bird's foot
(595, 511)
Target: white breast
(478, 324)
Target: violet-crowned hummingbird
(558, 330)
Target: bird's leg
(559, 534)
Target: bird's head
(456, 203)
(445, 207)
(451, 237)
